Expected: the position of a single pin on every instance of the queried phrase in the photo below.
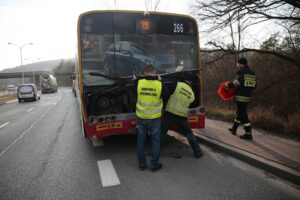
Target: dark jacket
(247, 83)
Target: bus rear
(114, 45)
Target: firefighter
(148, 111)
(244, 83)
(176, 112)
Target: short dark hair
(150, 68)
(243, 61)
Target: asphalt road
(43, 155)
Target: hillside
(38, 66)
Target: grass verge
(6, 98)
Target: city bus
(115, 45)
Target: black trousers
(242, 117)
(241, 113)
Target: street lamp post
(21, 49)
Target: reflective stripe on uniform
(237, 121)
(247, 124)
(149, 112)
(242, 99)
(149, 104)
(179, 109)
(176, 100)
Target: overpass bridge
(63, 78)
(6, 75)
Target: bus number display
(178, 28)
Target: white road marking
(4, 124)
(108, 174)
(26, 131)
(30, 109)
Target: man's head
(242, 62)
(150, 70)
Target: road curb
(275, 168)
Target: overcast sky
(51, 26)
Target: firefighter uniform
(245, 83)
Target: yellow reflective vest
(149, 103)
(180, 100)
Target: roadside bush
(266, 119)
(261, 118)
(218, 112)
(293, 125)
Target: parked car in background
(28, 91)
(12, 88)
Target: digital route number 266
(178, 28)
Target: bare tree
(220, 14)
(152, 5)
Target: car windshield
(122, 49)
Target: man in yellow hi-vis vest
(176, 112)
(148, 111)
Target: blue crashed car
(126, 58)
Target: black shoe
(233, 132)
(246, 136)
(198, 154)
(142, 167)
(154, 169)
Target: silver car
(28, 92)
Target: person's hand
(226, 87)
(134, 77)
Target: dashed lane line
(30, 109)
(6, 123)
(26, 131)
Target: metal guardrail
(7, 93)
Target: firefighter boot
(234, 128)
(247, 135)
